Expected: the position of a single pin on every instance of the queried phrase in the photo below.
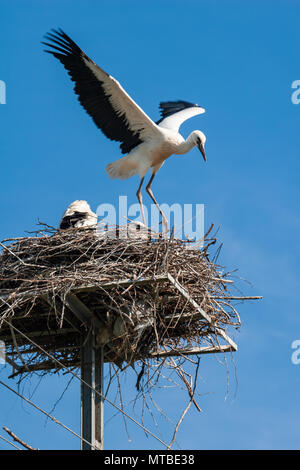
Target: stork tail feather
(123, 168)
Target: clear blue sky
(238, 60)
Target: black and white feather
(174, 113)
(78, 215)
(111, 108)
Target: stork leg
(149, 191)
(139, 196)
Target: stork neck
(186, 145)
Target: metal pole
(92, 404)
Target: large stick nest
(42, 275)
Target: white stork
(78, 215)
(146, 143)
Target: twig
(17, 439)
(16, 346)
(44, 412)
(186, 409)
(10, 443)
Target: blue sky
(236, 59)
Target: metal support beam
(92, 404)
(81, 311)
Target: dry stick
(137, 280)
(11, 443)
(147, 407)
(17, 239)
(191, 220)
(19, 259)
(226, 281)
(180, 421)
(208, 231)
(17, 348)
(253, 297)
(44, 412)
(89, 386)
(17, 439)
(187, 408)
(189, 389)
(229, 306)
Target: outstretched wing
(174, 113)
(104, 99)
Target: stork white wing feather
(174, 121)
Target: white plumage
(146, 143)
(78, 215)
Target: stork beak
(202, 149)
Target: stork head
(200, 139)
